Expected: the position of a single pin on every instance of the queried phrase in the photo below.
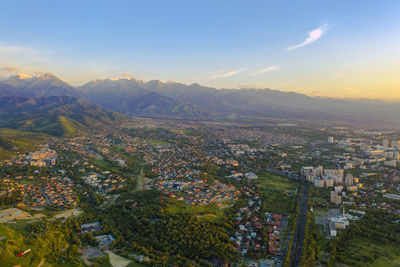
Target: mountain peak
(48, 76)
(46, 84)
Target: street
(295, 255)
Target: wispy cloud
(126, 75)
(13, 70)
(312, 37)
(225, 74)
(266, 70)
(9, 69)
(16, 49)
(353, 90)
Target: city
(214, 174)
(200, 133)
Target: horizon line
(243, 87)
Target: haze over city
(332, 49)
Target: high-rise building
(319, 171)
(390, 163)
(349, 179)
(337, 175)
(331, 140)
(310, 178)
(318, 182)
(395, 144)
(385, 143)
(337, 179)
(328, 182)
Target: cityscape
(106, 168)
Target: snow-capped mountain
(44, 85)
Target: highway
(298, 239)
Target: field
(118, 261)
(155, 142)
(278, 192)
(9, 215)
(209, 212)
(134, 165)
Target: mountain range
(54, 115)
(43, 85)
(158, 99)
(196, 102)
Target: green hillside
(51, 244)
(56, 115)
(15, 141)
(52, 125)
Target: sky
(319, 48)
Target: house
(104, 240)
(90, 227)
(250, 175)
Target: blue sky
(328, 48)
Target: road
(298, 239)
(45, 196)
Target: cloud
(312, 37)
(16, 71)
(16, 49)
(353, 90)
(10, 69)
(266, 70)
(126, 75)
(225, 74)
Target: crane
(24, 252)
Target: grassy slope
(15, 242)
(209, 212)
(70, 126)
(58, 116)
(20, 140)
(53, 125)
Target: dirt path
(11, 214)
(41, 263)
(66, 214)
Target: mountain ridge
(247, 101)
(132, 96)
(54, 115)
(43, 85)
